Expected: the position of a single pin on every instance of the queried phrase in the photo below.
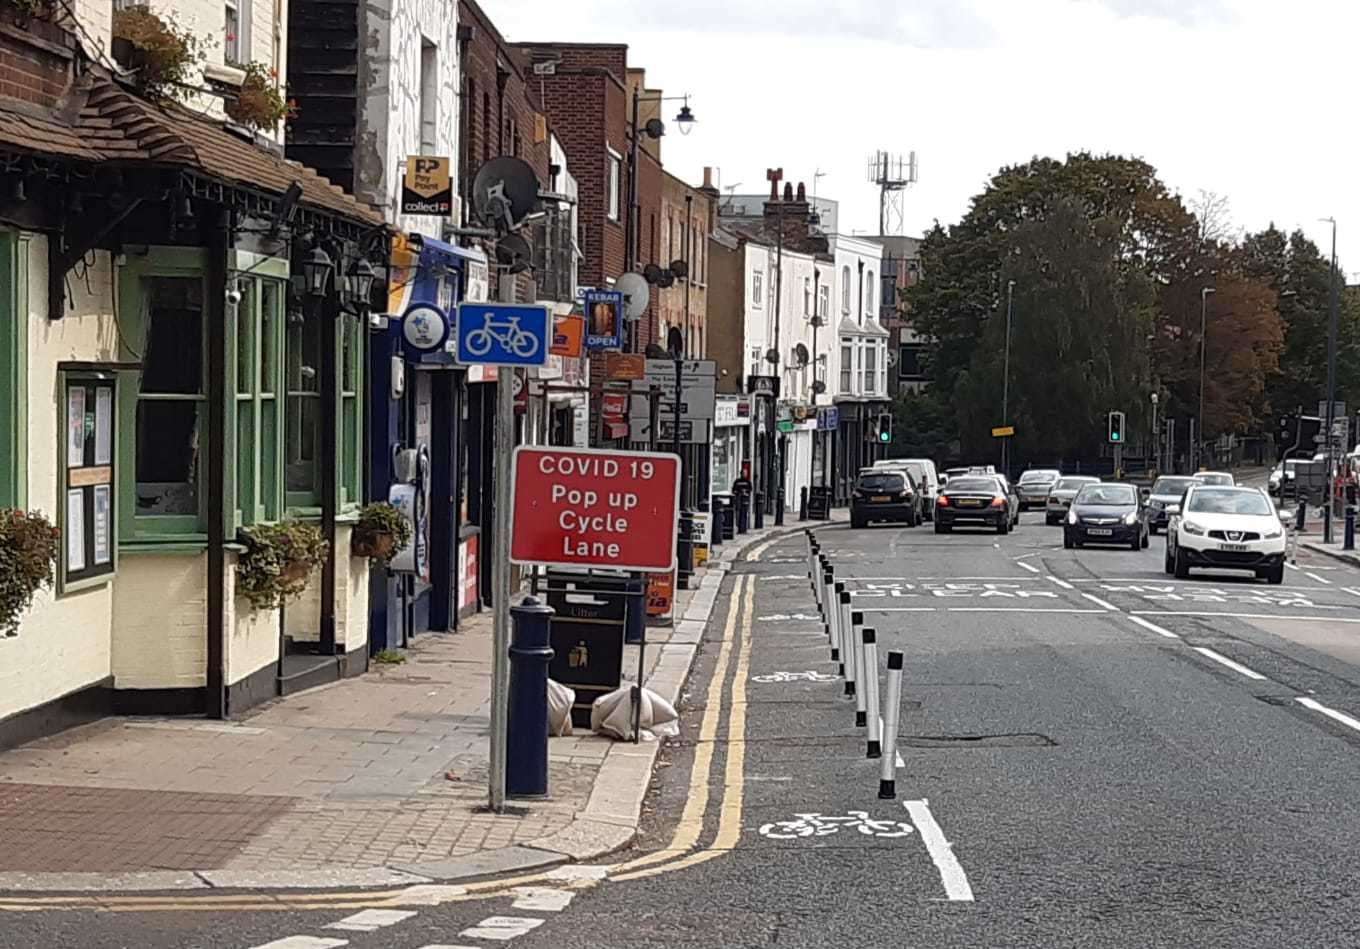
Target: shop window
(13, 369)
(171, 404)
(258, 441)
(302, 431)
(351, 412)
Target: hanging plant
(28, 558)
(29, 9)
(382, 530)
(162, 54)
(260, 105)
(278, 560)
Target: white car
(1220, 478)
(1225, 527)
(923, 473)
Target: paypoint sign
(576, 507)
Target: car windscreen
(881, 481)
(1218, 479)
(1107, 494)
(1042, 477)
(1172, 486)
(1228, 501)
(1070, 484)
(973, 486)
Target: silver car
(1034, 485)
(1061, 495)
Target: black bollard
(526, 767)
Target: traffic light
(884, 429)
(1116, 428)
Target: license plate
(880, 497)
(1235, 548)
(966, 502)
(1099, 531)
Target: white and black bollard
(861, 680)
(887, 773)
(828, 598)
(835, 630)
(815, 577)
(847, 668)
(869, 640)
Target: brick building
(688, 215)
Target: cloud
(1190, 13)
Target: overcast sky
(1253, 99)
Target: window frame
(847, 367)
(845, 290)
(241, 55)
(170, 263)
(870, 367)
(869, 284)
(14, 316)
(614, 184)
(757, 289)
(266, 480)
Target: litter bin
(684, 551)
(593, 615)
(727, 516)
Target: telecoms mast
(892, 174)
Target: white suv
(1225, 527)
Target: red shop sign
(578, 507)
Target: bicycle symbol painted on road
(819, 825)
(809, 676)
(507, 332)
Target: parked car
(885, 495)
(1061, 495)
(1107, 513)
(923, 472)
(1034, 486)
(1166, 491)
(1220, 478)
(984, 500)
(1226, 527)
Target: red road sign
(578, 507)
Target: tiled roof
(112, 124)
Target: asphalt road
(1094, 754)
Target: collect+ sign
(576, 507)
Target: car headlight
(1273, 535)
(1131, 518)
(1071, 517)
(1192, 528)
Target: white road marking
(1103, 604)
(897, 609)
(1062, 583)
(1154, 627)
(1351, 590)
(502, 928)
(444, 946)
(1027, 566)
(1017, 609)
(1331, 713)
(1298, 619)
(371, 920)
(1223, 660)
(955, 881)
(304, 942)
(1314, 576)
(542, 899)
(1291, 566)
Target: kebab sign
(577, 507)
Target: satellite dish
(772, 356)
(679, 269)
(652, 272)
(819, 387)
(675, 341)
(665, 280)
(505, 192)
(655, 128)
(800, 356)
(635, 292)
(514, 253)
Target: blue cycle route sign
(503, 334)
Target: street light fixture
(1006, 382)
(1203, 349)
(1331, 388)
(653, 129)
(316, 271)
(684, 119)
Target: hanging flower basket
(382, 530)
(278, 560)
(25, 10)
(28, 558)
(163, 55)
(260, 105)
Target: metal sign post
(500, 576)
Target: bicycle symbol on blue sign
(503, 334)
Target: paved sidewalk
(368, 781)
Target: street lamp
(1156, 443)
(655, 128)
(1203, 348)
(1006, 382)
(316, 271)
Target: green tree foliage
(1107, 266)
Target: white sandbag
(612, 714)
(560, 701)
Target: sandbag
(612, 715)
(560, 701)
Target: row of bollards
(854, 649)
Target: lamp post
(1203, 349)
(1006, 382)
(655, 128)
(1156, 445)
(1331, 391)
(816, 323)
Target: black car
(984, 500)
(1107, 513)
(885, 495)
